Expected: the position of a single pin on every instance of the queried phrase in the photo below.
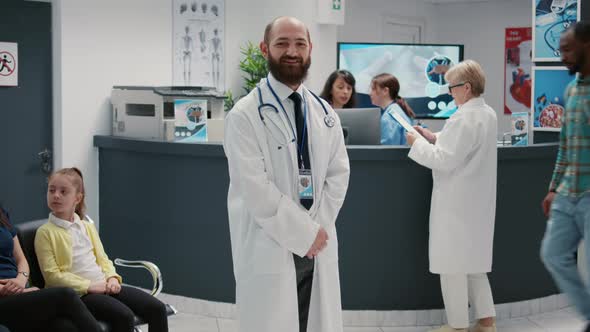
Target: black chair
(26, 235)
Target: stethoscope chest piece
(330, 121)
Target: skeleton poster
(198, 42)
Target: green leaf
(229, 102)
(253, 67)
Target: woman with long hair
(385, 94)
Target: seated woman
(385, 94)
(339, 90)
(31, 309)
(71, 254)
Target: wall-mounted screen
(420, 69)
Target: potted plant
(253, 67)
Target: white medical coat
(267, 222)
(463, 207)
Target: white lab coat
(267, 222)
(463, 207)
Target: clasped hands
(14, 286)
(320, 242)
(111, 286)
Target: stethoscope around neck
(328, 119)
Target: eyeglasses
(456, 85)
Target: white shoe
(447, 328)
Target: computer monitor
(420, 69)
(361, 126)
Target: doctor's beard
(286, 73)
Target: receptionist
(385, 94)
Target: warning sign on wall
(8, 64)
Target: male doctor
(289, 172)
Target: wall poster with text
(517, 70)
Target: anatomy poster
(549, 85)
(517, 74)
(8, 64)
(550, 19)
(198, 42)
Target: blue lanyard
(299, 147)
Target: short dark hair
(348, 78)
(270, 25)
(581, 31)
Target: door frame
(393, 20)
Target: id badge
(305, 184)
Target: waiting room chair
(26, 235)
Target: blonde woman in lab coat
(463, 159)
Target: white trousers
(460, 290)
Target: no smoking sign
(8, 64)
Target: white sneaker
(447, 328)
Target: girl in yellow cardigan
(71, 254)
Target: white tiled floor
(564, 320)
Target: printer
(149, 112)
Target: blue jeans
(568, 224)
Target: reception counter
(166, 202)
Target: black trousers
(119, 310)
(51, 309)
(304, 270)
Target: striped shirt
(571, 176)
